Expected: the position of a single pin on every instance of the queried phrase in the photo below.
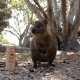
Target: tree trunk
(67, 35)
(26, 40)
(20, 40)
(71, 42)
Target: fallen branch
(17, 49)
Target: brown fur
(43, 44)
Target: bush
(3, 41)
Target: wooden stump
(10, 58)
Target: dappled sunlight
(49, 78)
(60, 52)
(55, 76)
(65, 67)
(72, 52)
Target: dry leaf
(71, 51)
(59, 61)
(63, 52)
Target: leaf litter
(67, 67)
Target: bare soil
(67, 67)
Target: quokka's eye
(38, 26)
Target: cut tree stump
(10, 58)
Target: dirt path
(67, 67)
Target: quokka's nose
(33, 30)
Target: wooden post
(10, 58)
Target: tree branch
(65, 26)
(41, 9)
(58, 20)
(34, 10)
(27, 27)
(26, 38)
(19, 26)
(55, 6)
(72, 12)
(50, 14)
(13, 33)
(76, 23)
(14, 30)
(37, 13)
(50, 10)
(57, 15)
(28, 15)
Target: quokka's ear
(45, 21)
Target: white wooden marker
(10, 58)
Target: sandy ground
(67, 67)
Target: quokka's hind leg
(50, 63)
(51, 60)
